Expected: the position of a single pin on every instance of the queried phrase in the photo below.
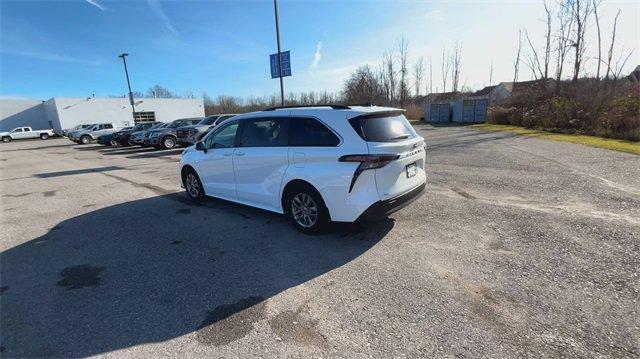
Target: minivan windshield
(384, 129)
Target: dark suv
(189, 135)
(123, 137)
(165, 137)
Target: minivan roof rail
(335, 107)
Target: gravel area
(520, 247)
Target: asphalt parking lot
(520, 247)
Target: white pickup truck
(20, 133)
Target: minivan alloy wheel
(304, 210)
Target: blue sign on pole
(285, 58)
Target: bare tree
(516, 64)
(158, 91)
(491, 73)
(532, 59)
(390, 75)
(547, 47)
(446, 66)
(456, 58)
(565, 28)
(418, 74)
(613, 41)
(596, 3)
(384, 81)
(580, 10)
(362, 86)
(403, 88)
(430, 75)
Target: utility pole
(126, 72)
(275, 8)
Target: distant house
(496, 94)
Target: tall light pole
(275, 8)
(126, 72)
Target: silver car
(189, 135)
(92, 133)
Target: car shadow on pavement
(66, 145)
(155, 269)
(128, 150)
(158, 153)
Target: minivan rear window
(383, 128)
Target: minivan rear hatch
(390, 133)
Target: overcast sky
(70, 48)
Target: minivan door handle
(239, 153)
(227, 154)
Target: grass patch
(592, 141)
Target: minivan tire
(113, 142)
(306, 209)
(44, 136)
(193, 185)
(86, 139)
(168, 143)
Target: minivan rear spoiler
(379, 114)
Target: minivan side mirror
(200, 146)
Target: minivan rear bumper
(382, 209)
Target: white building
(61, 113)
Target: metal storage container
(438, 112)
(470, 110)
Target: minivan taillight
(367, 162)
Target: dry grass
(592, 141)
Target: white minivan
(315, 164)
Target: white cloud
(159, 12)
(434, 14)
(43, 55)
(96, 4)
(317, 56)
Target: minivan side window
(309, 132)
(264, 132)
(225, 137)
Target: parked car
(318, 164)
(21, 133)
(76, 128)
(206, 132)
(165, 137)
(123, 137)
(137, 138)
(109, 139)
(189, 135)
(92, 133)
(105, 139)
